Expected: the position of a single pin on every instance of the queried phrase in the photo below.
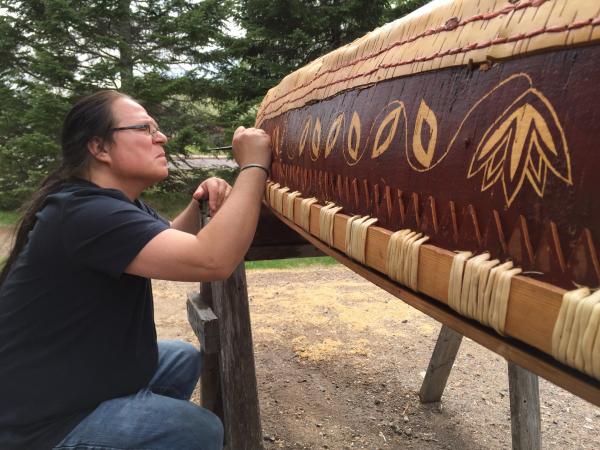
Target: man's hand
(215, 190)
(251, 146)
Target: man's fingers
(199, 193)
(215, 190)
(222, 193)
(239, 130)
(221, 188)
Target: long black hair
(90, 118)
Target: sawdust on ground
(340, 362)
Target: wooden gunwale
(532, 311)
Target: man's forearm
(188, 219)
(230, 232)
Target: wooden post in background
(523, 386)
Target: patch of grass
(174, 194)
(8, 218)
(167, 204)
(291, 263)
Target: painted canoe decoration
(476, 124)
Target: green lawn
(291, 263)
(168, 205)
(8, 218)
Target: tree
(176, 56)
(54, 51)
(284, 35)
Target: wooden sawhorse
(220, 317)
(523, 387)
(219, 314)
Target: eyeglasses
(151, 130)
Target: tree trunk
(125, 64)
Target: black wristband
(248, 166)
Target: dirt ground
(339, 364)
(5, 241)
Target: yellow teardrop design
(276, 142)
(304, 135)
(379, 146)
(425, 115)
(316, 140)
(333, 134)
(354, 137)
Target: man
(80, 366)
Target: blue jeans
(158, 416)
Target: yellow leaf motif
(425, 155)
(276, 142)
(304, 135)
(389, 124)
(333, 134)
(316, 140)
(470, 127)
(523, 143)
(354, 139)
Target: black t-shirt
(74, 329)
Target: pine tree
(176, 56)
(54, 51)
(281, 36)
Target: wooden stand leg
(523, 386)
(228, 379)
(220, 317)
(440, 365)
(241, 413)
(524, 408)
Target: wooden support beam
(203, 320)
(440, 365)
(228, 379)
(533, 305)
(524, 408)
